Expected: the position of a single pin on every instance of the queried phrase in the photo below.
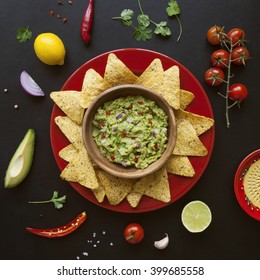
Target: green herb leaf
(126, 17)
(56, 200)
(23, 34)
(173, 8)
(142, 33)
(143, 20)
(163, 29)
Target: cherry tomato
(214, 76)
(134, 233)
(220, 58)
(215, 35)
(240, 55)
(236, 36)
(238, 92)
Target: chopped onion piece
(119, 117)
(29, 85)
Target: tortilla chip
(170, 89)
(69, 102)
(187, 142)
(134, 198)
(200, 123)
(159, 188)
(68, 153)
(116, 188)
(117, 73)
(99, 193)
(186, 98)
(81, 170)
(252, 183)
(180, 165)
(138, 190)
(93, 85)
(71, 130)
(152, 77)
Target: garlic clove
(163, 243)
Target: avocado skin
(25, 149)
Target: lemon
(50, 49)
(196, 216)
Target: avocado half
(21, 161)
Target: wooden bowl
(94, 152)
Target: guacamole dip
(131, 131)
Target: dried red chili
(60, 231)
(87, 21)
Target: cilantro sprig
(23, 34)
(56, 200)
(173, 9)
(143, 30)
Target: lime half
(196, 216)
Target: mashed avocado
(131, 131)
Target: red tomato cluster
(235, 52)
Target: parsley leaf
(143, 20)
(162, 28)
(57, 201)
(126, 17)
(142, 33)
(174, 9)
(23, 34)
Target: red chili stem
(87, 22)
(62, 230)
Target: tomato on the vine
(134, 233)
(214, 76)
(237, 92)
(220, 58)
(215, 35)
(236, 36)
(240, 55)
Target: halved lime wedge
(196, 216)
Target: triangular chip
(69, 102)
(200, 123)
(159, 188)
(116, 188)
(93, 85)
(152, 77)
(170, 88)
(68, 153)
(188, 142)
(186, 98)
(80, 170)
(117, 73)
(180, 165)
(134, 198)
(99, 193)
(71, 130)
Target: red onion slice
(29, 85)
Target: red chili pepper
(60, 231)
(87, 21)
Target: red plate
(138, 60)
(251, 210)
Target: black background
(232, 234)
